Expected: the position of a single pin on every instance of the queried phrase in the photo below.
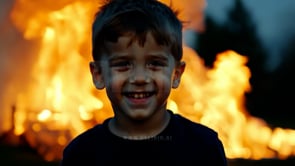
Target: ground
(25, 156)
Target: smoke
(7, 38)
(14, 64)
(190, 11)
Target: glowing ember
(60, 100)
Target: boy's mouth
(138, 95)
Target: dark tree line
(238, 33)
(283, 86)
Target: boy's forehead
(125, 47)
(129, 39)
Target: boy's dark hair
(136, 18)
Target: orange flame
(61, 102)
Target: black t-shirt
(183, 142)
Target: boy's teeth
(139, 95)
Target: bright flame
(44, 115)
(61, 82)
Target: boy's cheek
(115, 82)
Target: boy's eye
(156, 64)
(121, 65)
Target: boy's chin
(140, 115)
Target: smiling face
(138, 79)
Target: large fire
(60, 100)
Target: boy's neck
(140, 130)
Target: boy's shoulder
(90, 136)
(195, 129)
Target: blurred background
(264, 32)
(47, 96)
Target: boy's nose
(139, 75)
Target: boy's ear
(97, 77)
(177, 74)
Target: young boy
(137, 52)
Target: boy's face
(138, 79)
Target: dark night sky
(274, 20)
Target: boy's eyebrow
(119, 56)
(158, 56)
(128, 56)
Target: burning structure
(57, 100)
